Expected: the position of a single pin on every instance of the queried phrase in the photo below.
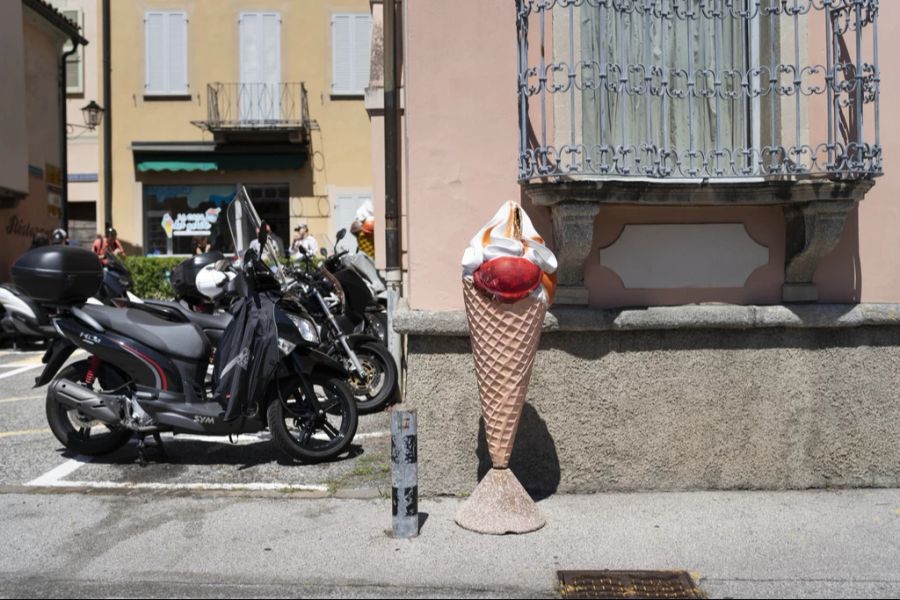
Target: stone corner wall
(667, 410)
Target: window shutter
(342, 79)
(250, 62)
(271, 48)
(155, 50)
(362, 39)
(177, 63)
(75, 62)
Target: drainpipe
(107, 120)
(63, 133)
(392, 232)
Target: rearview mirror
(341, 234)
(302, 250)
(323, 252)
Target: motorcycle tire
(75, 431)
(313, 436)
(380, 386)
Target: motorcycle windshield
(244, 223)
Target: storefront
(186, 189)
(178, 218)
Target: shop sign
(53, 174)
(190, 224)
(17, 226)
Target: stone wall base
(666, 410)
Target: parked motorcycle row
(250, 343)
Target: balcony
(265, 112)
(700, 102)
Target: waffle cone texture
(505, 340)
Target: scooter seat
(206, 322)
(181, 340)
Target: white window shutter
(362, 39)
(250, 62)
(177, 59)
(155, 53)
(271, 48)
(342, 79)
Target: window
(166, 71)
(259, 95)
(174, 215)
(698, 88)
(695, 67)
(75, 62)
(351, 35)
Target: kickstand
(142, 446)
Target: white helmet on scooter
(211, 281)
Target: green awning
(155, 162)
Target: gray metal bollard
(404, 474)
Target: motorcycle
(203, 292)
(374, 375)
(22, 319)
(146, 375)
(364, 300)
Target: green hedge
(150, 276)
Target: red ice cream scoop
(508, 278)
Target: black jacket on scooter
(247, 357)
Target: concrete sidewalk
(740, 544)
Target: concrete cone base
(500, 505)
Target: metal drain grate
(627, 584)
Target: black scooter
(146, 375)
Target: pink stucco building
(715, 177)
(462, 147)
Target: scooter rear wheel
(78, 432)
(311, 433)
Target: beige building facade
(32, 36)
(209, 95)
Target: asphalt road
(217, 520)
(31, 455)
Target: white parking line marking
(20, 398)
(5, 434)
(242, 440)
(53, 477)
(374, 434)
(116, 485)
(19, 370)
(31, 361)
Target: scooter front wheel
(314, 430)
(378, 386)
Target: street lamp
(93, 114)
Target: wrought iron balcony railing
(671, 89)
(256, 107)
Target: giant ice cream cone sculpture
(508, 282)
